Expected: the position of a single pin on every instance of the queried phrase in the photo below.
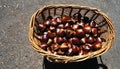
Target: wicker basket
(101, 18)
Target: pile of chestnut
(70, 36)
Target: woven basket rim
(72, 58)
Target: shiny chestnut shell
(79, 32)
(97, 45)
(75, 40)
(87, 29)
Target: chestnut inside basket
(103, 21)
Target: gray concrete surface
(15, 49)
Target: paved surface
(15, 48)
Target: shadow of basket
(87, 64)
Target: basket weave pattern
(103, 21)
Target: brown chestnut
(42, 26)
(67, 25)
(81, 24)
(90, 39)
(65, 18)
(90, 45)
(94, 31)
(64, 45)
(60, 52)
(75, 40)
(98, 39)
(59, 40)
(87, 24)
(87, 29)
(55, 46)
(97, 45)
(54, 23)
(75, 49)
(69, 32)
(86, 47)
(75, 26)
(79, 32)
(52, 29)
(92, 24)
(44, 46)
(81, 52)
(70, 52)
(58, 19)
(51, 35)
(60, 32)
(61, 26)
(43, 38)
(83, 40)
(50, 41)
(47, 23)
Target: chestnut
(58, 19)
(44, 46)
(86, 47)
(83, 40)
(87, 29)
(41, 26)
(75, 40)
(70, 52)
(90, 45)
(67, 25)
(45, 38)
(81, 52)
(45, 33)
(97, 45)
(71, 22)
(98, 39)
(39, 37)
(54, 23)
(87, 24)
(75, 49)
(69, 32)
(79, 32)
(69, 44)
(81, 24)
(61, 26)
(47, 23)
(59, 40)
(92, 24)
(52, 29)
(55, 46)
(60, 32)
(75, 26)
(90, 39)
(94, 31)
(65, 18)
(60, 52)
(51, 35)
(64, 46)
(50, 41)
(87, 35)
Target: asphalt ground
(16, 51)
